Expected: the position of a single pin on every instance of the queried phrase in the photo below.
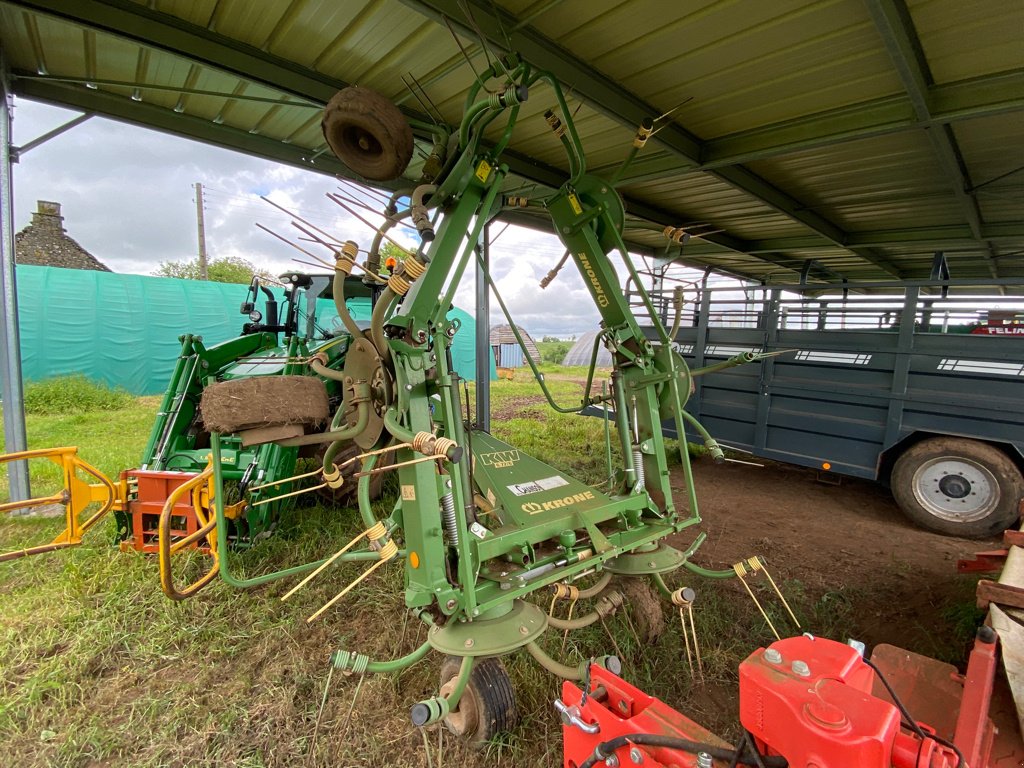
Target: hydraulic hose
(317, 365)
(420, 218)
(677, 304)
(709, 442)
(381, 310)
(736, 757)
(342, 308)
(732, 362)
(349, 661)
(597, 588)
(606, 606)
(552, 666)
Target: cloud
(128, 197)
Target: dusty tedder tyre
(957, 486)
(644, 606)
(487, 706)
(368, 133)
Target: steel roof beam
(132, 21)
(951, 236)
(896, 27)
(154, 29)
(188, 126)
(626, 107)
(951, 102)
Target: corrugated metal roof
(862, 134)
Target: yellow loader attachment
(76, 496)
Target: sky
(127, 196)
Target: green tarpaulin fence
(124, 329)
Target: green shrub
(73, 394)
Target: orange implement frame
(76, 496)
(148, 491)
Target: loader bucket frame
(76, 496)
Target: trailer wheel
(958, 486)
(368, 133)
(487, 706)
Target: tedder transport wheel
(957, 486)
(487, 706)
(368, 133)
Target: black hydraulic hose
(606, 748)
(909, 721)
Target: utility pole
(203, 273)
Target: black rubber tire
(931, 461)
(368, 133)
(644, 606)
(488, 703)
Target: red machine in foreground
(804, 702)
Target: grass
(100, 669)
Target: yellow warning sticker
(408, 493)
(483, 170)
(575, 203)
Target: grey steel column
(10, 348)
(483, 335)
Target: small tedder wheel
(368, 133)
(487, 706)
(644, 606)
(957, 486)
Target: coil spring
(638, 467)
(448, 518)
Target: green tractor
(277, 345)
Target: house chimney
(47, 217)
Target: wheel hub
(956, 489)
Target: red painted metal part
(809, 700)
(974, 733)
(620, 709)
(144, 507)
(816, 703)
(983, 562)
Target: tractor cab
(302, 293)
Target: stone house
(45, 242)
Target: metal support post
(483, 335)
(10, 347)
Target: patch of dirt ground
(842, 546)
(845, 535)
